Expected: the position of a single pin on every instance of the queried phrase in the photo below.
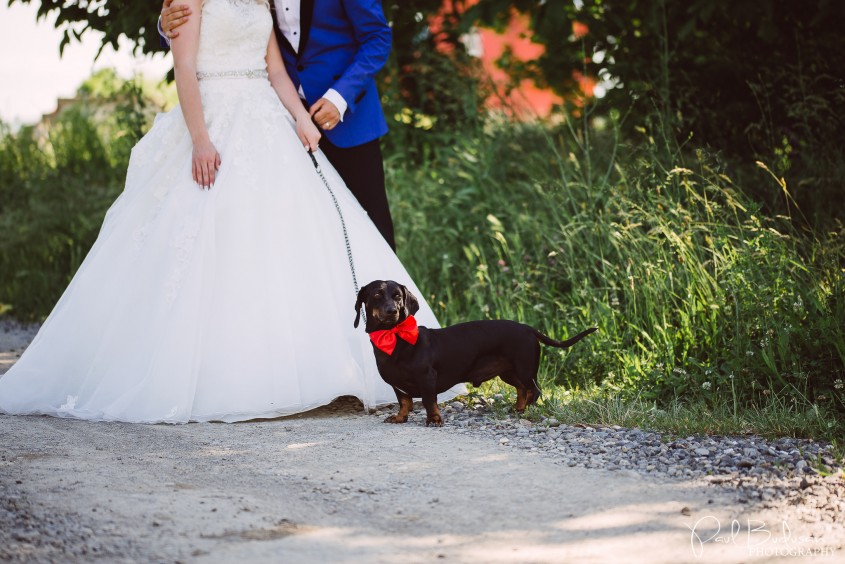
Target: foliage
(113, 18)
(430, 84)
(696, 293)
(754, 80)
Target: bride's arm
(283, 85)
(206, 160)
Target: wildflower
(706, 386)
(821, 397)
(659, 366)
(838, 384)
(749, 353)
(731, 376)
(766, 392)
(798, 305)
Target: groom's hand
(172, 17)
(325, 114)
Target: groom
(332, 52)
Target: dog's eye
(396, 296)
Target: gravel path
(338, 485)
(795, 472)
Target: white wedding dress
(221, 305)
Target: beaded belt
(255, 73)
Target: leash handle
(316, 164)
(342, 221)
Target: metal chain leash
(342, 221)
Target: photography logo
(757, 537)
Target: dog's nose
(390, 310)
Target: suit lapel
(306, 15)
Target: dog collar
(385, 339)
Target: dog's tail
(563, 344)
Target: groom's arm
(374, 37)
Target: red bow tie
(385, 340)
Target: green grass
(596, 406)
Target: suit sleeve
(374, 37)
(162, 39)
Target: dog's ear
(412, 305)
(363, 293)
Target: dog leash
(342, 221)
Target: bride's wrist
(303, 115)
(200, 139)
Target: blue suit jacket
(344, 44)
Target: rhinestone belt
(254, 73)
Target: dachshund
(422, 362)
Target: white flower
(706, 386)
(838, 384)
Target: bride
(220, 287)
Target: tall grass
(697, 295)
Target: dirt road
(336, 485)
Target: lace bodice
(233, 35)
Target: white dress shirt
(289, 20)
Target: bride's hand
(206, 162)
(308, 132)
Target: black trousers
(362, 168)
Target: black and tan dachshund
(421, 362)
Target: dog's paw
(435, 421)
(396, 419)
